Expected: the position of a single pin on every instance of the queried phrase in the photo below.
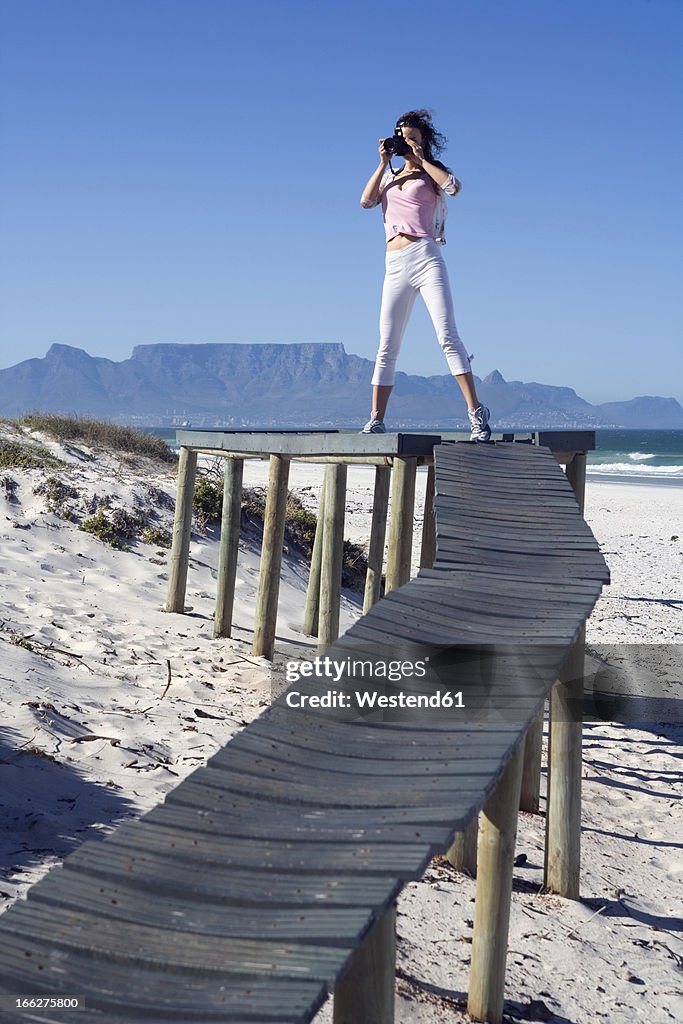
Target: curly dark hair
(433, 142)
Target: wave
(640, 456)
(629, 469)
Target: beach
(107, 702)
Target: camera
(396, 145)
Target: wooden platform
(244, 895)
(320, 445)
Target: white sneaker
(479, 422)
(374, 426)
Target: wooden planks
(243, 896)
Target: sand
(107, 702)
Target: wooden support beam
(378, 530)
(497, 831)
(182, 528)
(576, 475)
(401, 524)
(563, 815)
(563, 822)
(530, 795)
(310, 624)
(271, 557)
(428, 549)
(462, 854)
(332, 555)
(365, 995)
(229, 546)
(310, 443)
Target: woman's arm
(443, 178)
(371, 192)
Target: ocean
(643, 456)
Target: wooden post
(401, 525)
(563, 815)
(563, 823)
(310, 626)
(530, 796)
(497, 830)
(428, 549)
(229, 546)
(271, 557)
(365, 995)
(462, 854)
(182, 528)
(332, 555)
(380, 505)
(576, 474)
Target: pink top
(410, 210)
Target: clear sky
(190, 171)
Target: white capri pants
(417, 268)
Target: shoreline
(633, 480)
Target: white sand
(92, 734)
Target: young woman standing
(414, 211)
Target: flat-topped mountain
(314, 385)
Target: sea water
(645, 456)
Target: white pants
(417, 268)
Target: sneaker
(374, 427)
(479, 422)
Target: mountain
(314, 385)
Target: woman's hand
(384, 156)
(418, 152)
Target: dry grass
(95, 432)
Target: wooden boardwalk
(247, 894)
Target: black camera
(397, 146)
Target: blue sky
(190, 172)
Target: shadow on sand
(48, 808)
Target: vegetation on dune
(95, 432)
(120, 527)
(158, 536)
(300, 524)
(26, 455)
(8, 486)
(56, 494)
(116, 527)
(101, 515)
(207, 503)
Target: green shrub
(21, 641)
(26, 455)
(207, 502)
(300, 524)
(95, 432)
(113, 527)
(158, 536)
(254, 505)
(56, 494)
(97, 501)
(100, 526)
(354, 567)
(128, 524)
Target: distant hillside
(313, 385)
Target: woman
(414, 215)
